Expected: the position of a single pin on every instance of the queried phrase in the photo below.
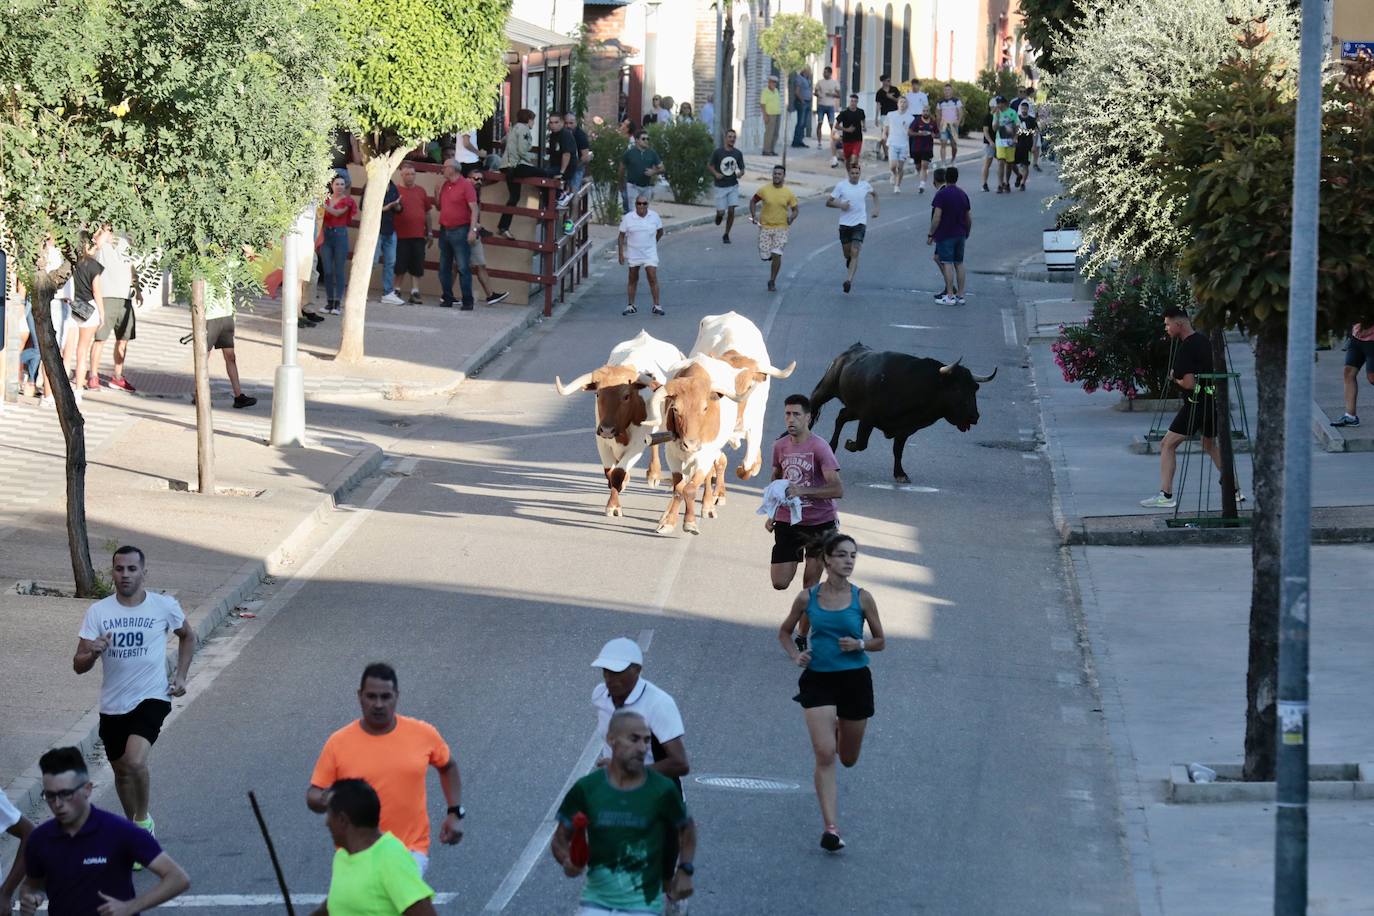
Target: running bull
(897, 395)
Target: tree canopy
(1048, 26)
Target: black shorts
(1196, 417)
(410, 257)
(792, 542)
(219, 333)
(850, 691)
(1359, 353)
(144, 720)
(852, 235)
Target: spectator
(886, 97)
(684, 113)
(584, 149)
(916, 99)
(340, 209)
(727, 165)
(411, 221)
(951, 221)
(637, 246)
(563, 155)
(708, 113)
(121, 290)
(827, 104)
(467, 153)
(770, 105)
(29, 360)
(640, 168)
(518, 162)
(1359, 353)
(899, 145)
(88, 295)
(665, 110)
(479, 252)
(458, 220)
(386, 243)
(921, 134)
(949, 114)
(219, 335)
(651, 116)
(801, 104)
(989, 149)
(851, 122)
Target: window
(906, 44)
(856, 76)
(887, 40)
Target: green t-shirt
(382, 880)
(636, 162)
(625, 834)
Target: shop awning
(526, 36)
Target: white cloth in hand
(775, 497)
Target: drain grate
(748, 783)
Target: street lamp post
(718, 109)
(288, 390)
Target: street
(480, 564)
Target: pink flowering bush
(1122, 347)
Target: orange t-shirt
(394, 765)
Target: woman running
(836, 689)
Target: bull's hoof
(666, 525)
(654, 480)
(691, 528)
(902, 478)
(709, 512)
(720, 500)
(851, 446)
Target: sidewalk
(1167, 629)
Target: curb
(1152, 531)
(24, 789)
(1329, 782)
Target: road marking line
(1009, 327)
(204, 901)
(914, 327)
(558, 432)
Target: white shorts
(641, 262)
(94, 321)
(900, 151)
(727, 197)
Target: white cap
(619, 654)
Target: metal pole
(288, 389)
(1290, 859)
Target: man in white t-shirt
(850, 197)
(638, 246)
(128, 633)
(916, 99)
(621, 662)
(18, 826)
(895, 124)
(948, 115)
(121, 293)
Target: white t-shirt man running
(851, 198)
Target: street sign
(1350, 50)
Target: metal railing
(563, 245)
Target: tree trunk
(1223, 426)
(379, 171)
(73, 432)
(205, 428)
(1261, 679)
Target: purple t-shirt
(100, 857)
(805, 466)
(953, 204)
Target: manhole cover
(747, 783)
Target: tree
(413, 69)
(1049, 24)
(1232, 155)
(192, 128)
(1136, 60)
(791, 40)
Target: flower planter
(1061, 248)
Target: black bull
(897, 395)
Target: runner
(989, 149)
(638, 247)
(949, 115)
(18, 826)
(851, 198)
(780, 210)
(630, 810)
(1026, 133)
(886, 99)
(727, 166)
(372, 873)
(128, 633)
(851, 123)
(1005, 124)
(621, 687)
(895, 127)
(922, 132)
(391, 753)
(836, 689)
(82, 861)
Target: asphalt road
(488, 575)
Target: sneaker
(658, 310)
(959, 300)
(242, 400)
(465, 307)
(629, 310)
(725, 239)
(302, 324)
(415, 298)
(445, 303)
(333, 309)
(92, 383)
(121, 383)
(939, 296)
(392, 299)
(834, 162)
(896, 189)
(564, 199)
(312, 317)
(1347, 419)
(720, 217)
(772, 287)
(847, 285)
(830, 840)
(1240, 497)
(147, 825)
(947, 300)
(484, 233)
(985, 187)
(497, 297)
(1161, 500)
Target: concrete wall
(1352, 20)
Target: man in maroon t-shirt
(803, 459)
(457, 231)
(412, 227)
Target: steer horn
(654, 415)
(775, 372)
(986, 378)
(946, 370)
(574, 386)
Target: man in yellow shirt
(770, 103)
(780, 209)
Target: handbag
(83, 309)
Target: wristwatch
(687, 868)
(459, 810)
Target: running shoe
(658, 310)
(147, 825)
(392, 299)
(415, 298)
(897, 189)
(242, 400)
(846, 285)
(312, 317)
(302, 324)
(959, 300)
(720, 217)
(947, 300)
(1161, 500)
(985, 187)
(939, 296)
(772, 287)
(629, 310)
(121, 383)
(725, 239)
(92, 383)
(497, 297)
(830, 840)
(1347, 419)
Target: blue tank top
(826, 629)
